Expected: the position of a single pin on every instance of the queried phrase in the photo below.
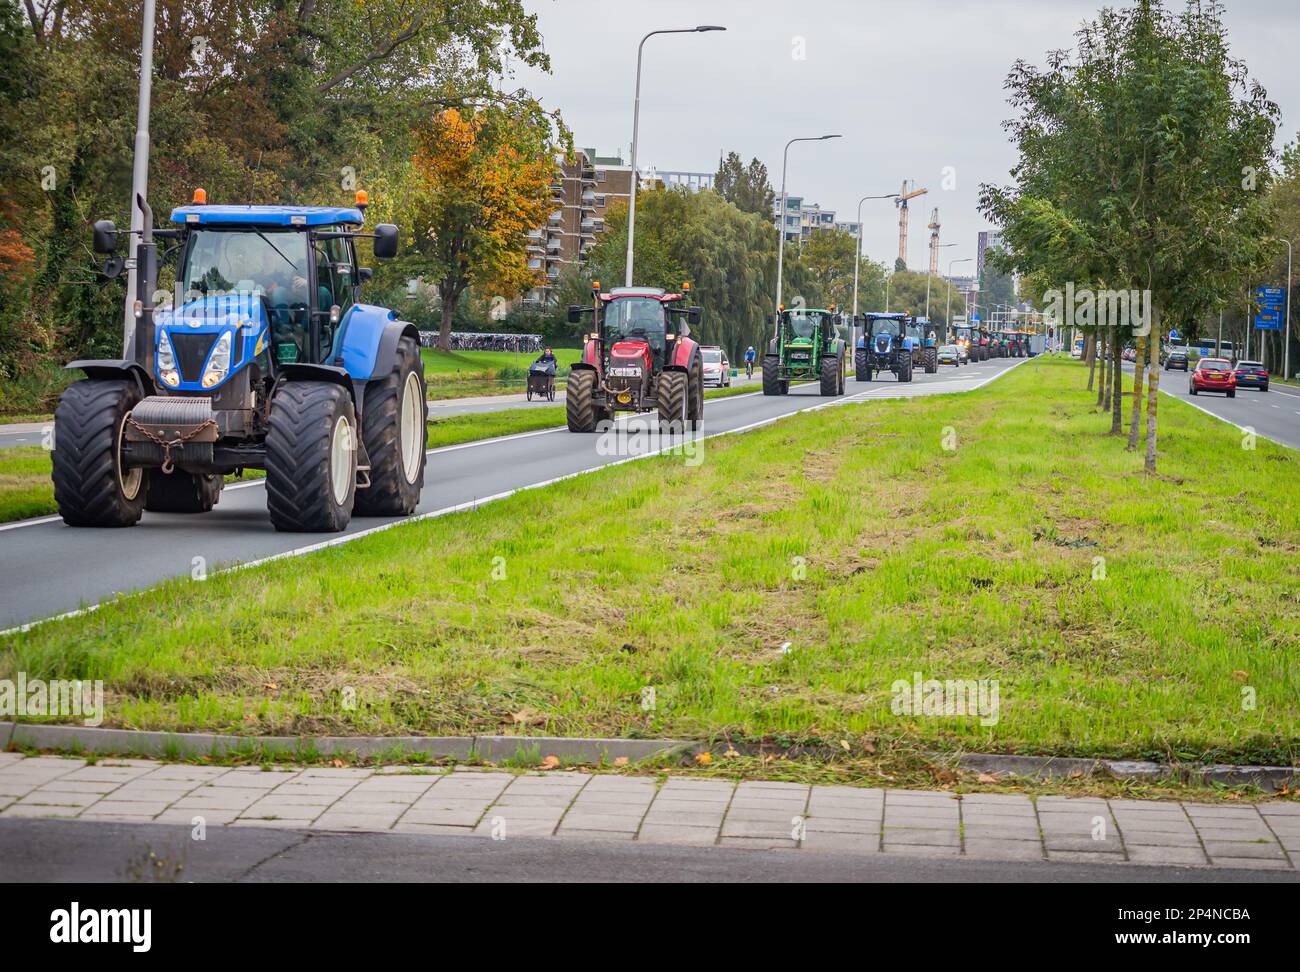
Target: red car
(1213, 374)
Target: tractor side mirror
(364, 274)
(385, 241)
(693, 316)
(105, 236)
(575, 314)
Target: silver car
(717, 369)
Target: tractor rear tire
(771, 369)
(695, 398)
(931, 358)
(673, 393)
(861, 366)
(905, 369)
(90, 489)
(579, 409)
(830, 377)
(311, 458)
(394, 424)
(181, 492)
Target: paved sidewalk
(762, 815)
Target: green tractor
(809, 345)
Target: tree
(481, 181)
(1144, 156)
(745, 187)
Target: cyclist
(750, 355)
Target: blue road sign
(1174, 335)
(1268, 313)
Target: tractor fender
(386, 358)
(590, 355)
(302, 371)
(772, 348)
(108, 368)
(366, 344)
(685, 351)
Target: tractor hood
(205, 341)
(882, 343)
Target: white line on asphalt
(475, 503)
(26, 523)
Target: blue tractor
(264, 358)
(889, 342)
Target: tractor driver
(647, 321)
(284, 284)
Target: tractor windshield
(803, 324)
(635, 317)
(271, 266)
(886, 325)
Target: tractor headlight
(218, 362)
(167, 372)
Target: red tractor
(639, 358)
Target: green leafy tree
(745, 187)
(1144, 163)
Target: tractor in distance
(889, 342)
(926, 352)
(639, 357)
(807, 345)
(264, 358)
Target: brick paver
(684, 811)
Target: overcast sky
(912, 85)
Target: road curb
(1270, 778)
(135, 742)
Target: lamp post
(636, 128)
(140, 167)
(928, 277)
(857, 262)
(780, 246)
(947, 315)
(1286, 333)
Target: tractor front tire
(181, 492)
(931, 358)
(579, 408)
(311, 458)
(771, 372)
(830, 377)
(905, 369)
(90, 487)
(673, 393)
(861, 366)
(394, 423)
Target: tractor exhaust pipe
(146, 263)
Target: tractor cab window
(638, 318)
(269, 265)
(886, 325)
(334, 283)
(802, 324)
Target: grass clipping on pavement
(776, 591)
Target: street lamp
(139, 167)
(636, 127)
(857, 261)
(780, 246)
(928, 277)
(1286, 339)
(947, 315)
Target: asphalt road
(47, 568)
(34, 850)
(1274, 414)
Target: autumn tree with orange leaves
(480, 180)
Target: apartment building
(584, 188)
(802, 219)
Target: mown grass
(465, 374)
(25, 488)
(776, 592)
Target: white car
(717, 369)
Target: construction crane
(903, 197)
(934, 242)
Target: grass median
(778, 591)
